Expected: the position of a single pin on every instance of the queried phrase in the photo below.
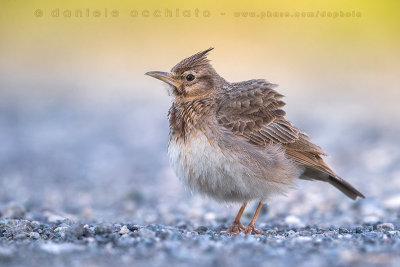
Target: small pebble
(34, 235)
(201, 229)
(124, 230)
(385, 227)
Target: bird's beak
(165, 77)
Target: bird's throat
(187, 116)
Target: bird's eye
(190, 77)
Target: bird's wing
(253, 110)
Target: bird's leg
(236, 225)
(251, 227)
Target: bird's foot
(235, 228)
(250, 229)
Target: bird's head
(192, 78)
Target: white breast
(205, 168)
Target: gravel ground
(68, 243)
(83, 185)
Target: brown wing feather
(253, 110)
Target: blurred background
(84, 133)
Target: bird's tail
(345, 187)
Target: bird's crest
(197, 60)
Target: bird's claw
(250, 229)
(235, 228)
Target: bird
(232, 142)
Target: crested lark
(231, 141)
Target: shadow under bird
(231, 141)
